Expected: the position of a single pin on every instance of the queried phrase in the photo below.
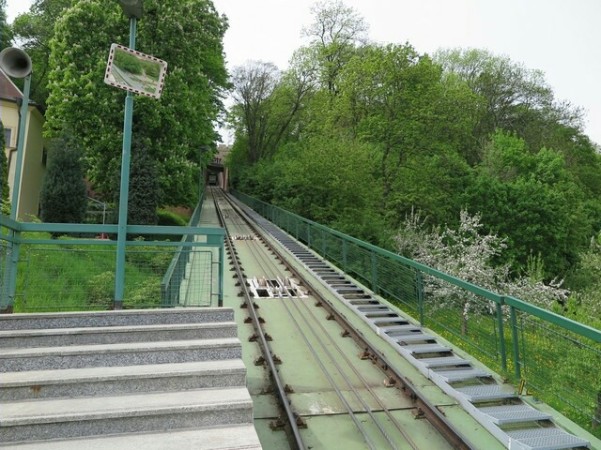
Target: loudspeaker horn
(15, 62)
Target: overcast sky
(560, 37)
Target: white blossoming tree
(468, 254)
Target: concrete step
(115, 318)
(234, 437)
(56, 337)
(111, 381)
(110, 355)
(78, 417)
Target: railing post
(9, 287)
(221, 264)
(214, 239)
(419, 280)
(323, 243)
(516, 345)
(501, 334)
(344, 255)
(374, 272)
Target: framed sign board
(135, 72)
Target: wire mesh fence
(560, 366)
(557, 359)
(40, 273)
(82, 277)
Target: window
(8, 134)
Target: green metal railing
(558, 359)
(38, 273)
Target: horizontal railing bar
(555, 319)
(112, 229)
(6, 221)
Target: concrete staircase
(152, 379)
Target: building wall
(33, 169)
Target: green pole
(419, 280)
(516, 344)
(23, 113)
(10, 276)
(502, 349)
(124, 190)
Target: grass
(81, 277)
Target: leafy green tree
(177, 125)
(396, 99)
(532, 199)
(333, 37)
(4, 189)
(64, 195)
(511, 97)
(6, 34)
(254, 84)
(34, 30)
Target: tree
(176, 126)
(63, 198)
(333, 37)
(254, 83)
(511, 97)
(4, 189)
(395, 99)
(469, 254)
(143, 188)
(532, 199)
(6, 34)
(34, 31)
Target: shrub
(168, 218)
(146, 295)
(100, 290)
(64, 197)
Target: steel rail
(426, 408)
(269, 262)
(359, 376)
(367, 409)
(261, 335)
(261, 257)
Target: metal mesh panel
(67, 278)
(400, 285)
(464, 318)
(561, 367)
(64, 278)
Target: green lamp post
(17, 64)
(133, 10)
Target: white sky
(560, 37)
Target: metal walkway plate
(413, 337)
(546, 439)
(392, 330)
(485, 392)
(444, 361)
(426, 348)
(506, 414)
(462, 374)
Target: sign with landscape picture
(134, 71)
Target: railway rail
(354, 392)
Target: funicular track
(371, 408)
(497, 407)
